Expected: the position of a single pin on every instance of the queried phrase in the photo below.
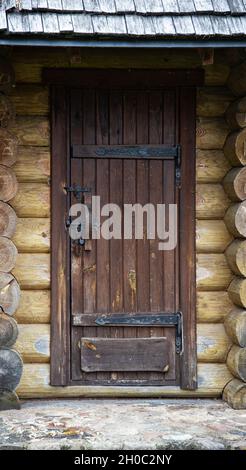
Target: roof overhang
(134, 43)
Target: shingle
(18, 22)
(205, 6)
(99, 24)
(155, 6)
(186, 6)
(221, 6)
(237, 6)
(202, 25)
(3, 20)
(82, 23)
(134, 25)
(141, 6)
(26, 4)
(237, 25)
(170, 6)
(72, 5)
(116, 24)
(92, 6)
(42, 4)
(125, 6)
(8, 4)
(55, 5)
(35, 22)
(183, 25)
(149, 28)
(163, 25)
(50, 23)
(221, 26)
(65, 23)
(107, 6)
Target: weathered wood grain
(8, 331)
(8, 183)
(8, 220)
(211, 166)
(237, 291)
(32, 200)
(32, 235)
(9, 293)
(213, 272)
(235, 326)
(33, 343)
(8, 148)
(235, 394)
(235, 148)
(236, 114)
(32, 130)
(211, 201)
(8, 254)
(34, 307)
(35, 381)
(235, 219)
(10, 368)
(32, 271)
(213, 101)
(236, 257)
(236, 362)
(212, 307)
(211, 133)
(30, 100)
(212, 236)
(33, 164)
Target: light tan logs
(212, 236)
(235, 148)
(35, 383)
(213, 306)
(33, 164)
(235, 219)
(235, 325)
(32, 235)
(31, 100)
(8, 183)
(237, 291)
(211, 166)
(235, 394)
(236, 257)
(236, 114)
(7, 111)
(34, 307)
(8, 148)
(32, 200)
(8, 254)
(213, 101)
(211, 201)
(211, 133)
(8, 220)
(235, 184)
(8, 331)
(213, 272)
(32, 271)
(34, 340)
(32, 130)
(236, 361)
(237, 80)
(9, 293)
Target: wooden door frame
(61, 80)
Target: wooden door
(123, 297)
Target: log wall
(235, 187)
(32, 205)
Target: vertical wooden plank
(129, 197)
(143, 260)
(77, 305)
(89, 180)
(116, 196)
(60, 325)
(170, 269)
(102, 190)
(187, 237)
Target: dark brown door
(122, 147)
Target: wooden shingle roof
(126, 18)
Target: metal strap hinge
(148, 319)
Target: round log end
(236, 362)
(8, 331)
(237, 292)
(235, 326)
(235, 184)
(235, 148)
(8, 400)
(11, 367)
(8, 148)
(7, 111)
(236, 257)
(8, 183)
(235, 394)
(235, 219)
(8, 254)
(9, 293)
(8, 220)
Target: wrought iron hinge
(178, 166)
(77, 191)
(147, 319)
